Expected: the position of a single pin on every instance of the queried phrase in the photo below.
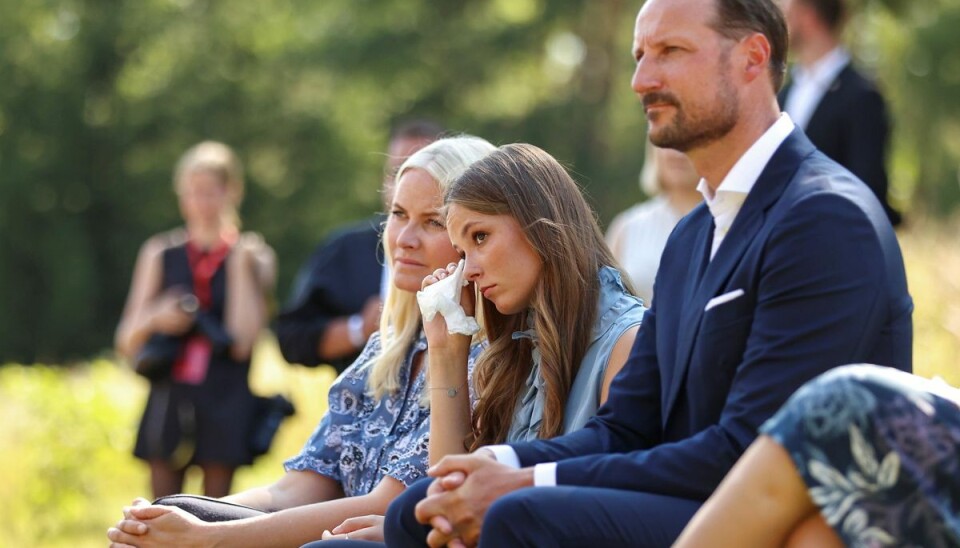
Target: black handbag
(156, 357)
(209, 509)
(155, 360)
(269, 413)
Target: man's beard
(685, 132)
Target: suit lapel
(748, 223)
(699, 260)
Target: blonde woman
(374, 439)
(198, 296)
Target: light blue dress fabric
(361, 439)
(617, 311)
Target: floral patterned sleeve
(324, 451)
(879, 450)
(409, 458)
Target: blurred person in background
(638, 235)
(201, 292)
(373, 441)
(336, 298)
(840, 110)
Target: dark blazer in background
(823, 284)
(341, 274)
(851, 126)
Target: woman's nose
(408, 237)
(471, 269)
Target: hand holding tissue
(444, 297)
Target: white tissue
(444, 297)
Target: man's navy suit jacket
(823, 285)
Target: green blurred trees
(914, 50)
(100, 97)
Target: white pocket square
(725, 298)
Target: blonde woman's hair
(220, 160)
(444, 160)
(526, 183)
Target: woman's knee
(813, 532)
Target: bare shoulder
(254, 244)
(618, 358)
(158, 243)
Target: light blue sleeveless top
(617, 311)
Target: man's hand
(458, 500)
(371, 315)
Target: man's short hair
(737, 18)
(420, 128)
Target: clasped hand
(145, 525)
(458, 499)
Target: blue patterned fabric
(878, 450)
(360, 439)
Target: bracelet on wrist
(452, 391)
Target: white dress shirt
(724, 207)
(733, 189)
(810, 85)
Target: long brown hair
(526, 183)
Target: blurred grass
(66, 468)
(932, 258)
(66, 431)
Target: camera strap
(194, 361)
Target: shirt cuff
(504, 455)
(545, 474)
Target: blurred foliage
(67, 433)
(61, 449)
(67, 437)
(100, 98)
(912, 48)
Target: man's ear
(755, 49)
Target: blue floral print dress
(878, 450)
(361, 439)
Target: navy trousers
(558, 516)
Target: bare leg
(814, 533)
(165, 479)
(217, 479)
(760, 502)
